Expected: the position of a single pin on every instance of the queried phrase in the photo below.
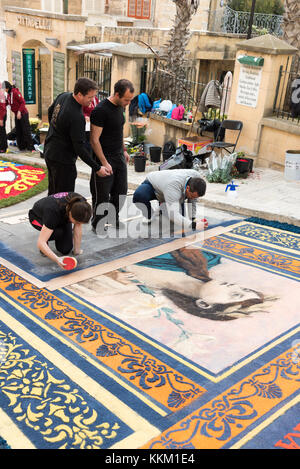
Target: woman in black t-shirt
(54, 216)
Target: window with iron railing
(140, 9)
(287, 94)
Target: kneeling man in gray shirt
(172, 187)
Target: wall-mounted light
(53, 41)
(10, 32)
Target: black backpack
(169, 149)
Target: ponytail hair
(79, 208)
(7, 85)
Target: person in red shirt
(18, 107)
(3, 136)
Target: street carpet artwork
(195, 348)
(17, 178)
(97, 250)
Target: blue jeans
(143, 196)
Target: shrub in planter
(34, 123)
(220, 168)
(134, 150)
(140, 162)
(138, 130)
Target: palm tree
(291, 23)
(175, 49)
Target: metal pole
(251, 19)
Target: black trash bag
(182, 159)
(168, 150)
(189, 157)
(211, 125)
(12, 135)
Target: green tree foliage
(274, 7)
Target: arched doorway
(37, 73)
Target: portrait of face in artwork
(184, 277)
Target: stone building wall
(75, 7)
(33, 4)
(210, 46)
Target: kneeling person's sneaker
(119, 225)
(146, 221)
(156, 214)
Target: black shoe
(94, 228)
(119, 225)
(94, 224)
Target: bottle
(190, 117)
(231, 191)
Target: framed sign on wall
(29, 84)
(16, 66)
(58, 73)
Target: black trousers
(61, 177)
(24, 139)
(110, 189)
(3, 137)
(62, 235)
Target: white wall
(3, 65)
(3, 69)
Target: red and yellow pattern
(17, 178)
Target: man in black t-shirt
(107, 122)
(66, 140)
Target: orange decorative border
(135, 365)
(232, 412)
(255, 255)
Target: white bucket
(292, 165)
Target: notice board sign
(16, 66)
(29, 76)
(58, 73)
(249, 85)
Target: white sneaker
(155, 214)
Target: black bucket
(139, 163)
(155, 154)
(244, 165)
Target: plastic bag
(182, 159)
(166, 105)
(220, 167)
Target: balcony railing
(226, 20)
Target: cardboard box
(195, 144)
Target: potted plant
(34, 123)
(138, 129)
(220, 167)
(140, 161)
